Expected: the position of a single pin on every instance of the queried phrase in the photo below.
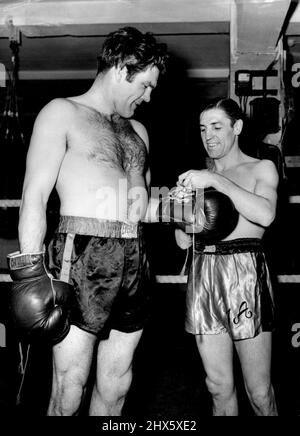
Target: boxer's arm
(258, 206)
(46, 151)
(142, 132)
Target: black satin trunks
(106, 264)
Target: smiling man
(95, 155)
(229, 298)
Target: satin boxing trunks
(229, 290)
(106, 264)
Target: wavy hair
(130, 48)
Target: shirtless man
(229, 297)
(95, 155)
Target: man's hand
(39, 304)
(194, 179)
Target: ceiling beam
(196, 73)
(166, 28)
(40, 18)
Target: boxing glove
(39, 304)
(208, 213)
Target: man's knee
(114, 364)
(261, 394)
(67, 393)
(220, 386)
(113, 383)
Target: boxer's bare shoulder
(262, 170)
(265, 166)
(50, 130)
(55, 111)
(266, 176)
(252, 168)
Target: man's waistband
(97, 227)
(241, 245)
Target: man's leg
(255, 358)
(114, 373)
(216, 352)
(71, 365)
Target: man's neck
(97, 97)
(234, 158)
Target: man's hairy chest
(110, 142)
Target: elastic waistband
(241, 245)
(96, 227)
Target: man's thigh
(115, 354)
(255, 357)
(74, 353)
(216, 352)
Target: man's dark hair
(229, 106)
(130, 48)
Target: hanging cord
(22, 370)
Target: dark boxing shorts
(229, 290)
(106, 264)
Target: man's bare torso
(244, 176)
(102, 174)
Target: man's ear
(238, 127)
(121, 73)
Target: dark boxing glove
(38, 302)
(208, 213)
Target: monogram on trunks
(243, 311)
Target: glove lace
(22, 370)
